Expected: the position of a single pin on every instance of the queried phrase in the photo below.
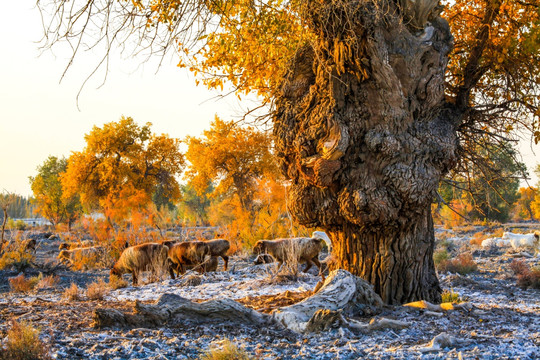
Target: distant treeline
(21, 207)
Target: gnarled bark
(363, 131)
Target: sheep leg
(135, 278)
(226, 259)
(321, 269)
(279, 265)
(171, 269)
(309, 264)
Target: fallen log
(173, 308)
(342, 294)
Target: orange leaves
(231, 156)
(122, 166)
(250, 48)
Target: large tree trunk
(398, 262)
(364, 133)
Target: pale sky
(39, 115)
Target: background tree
(49, 194)
(230, 156)
(21, 207)
(193, 209)
(122, 166)
(490, 194)
(6, 199)
(535, 204)
(524, 204)
(363, 123)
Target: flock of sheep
(517, 241)
(177, 257)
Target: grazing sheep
(76, 245)
(139, 258)
(491, 242)
(168, 243)
(301, 250)
(209, 265)
(263, 259)
(219, 247)
(189, 253)
(72, 255)
(526, 241)
(30, 245)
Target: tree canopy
(231, 156)
(49, 196)
(493, 73)
(122, 166)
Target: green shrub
(451, 297)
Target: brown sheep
(71, 255)
(263, 259)
(219, 247)
(76, 245)
(30, 245)
(209, 265)
(300, 250)
(144, 257)
(189, 253)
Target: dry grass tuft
(22, 284)
(526, 276)
(478, 237)
(72, 293)
(117, 282)
(97, 290)
(225, 350)
(463, 264)
(267, 303)
(48, 282)
(23, 343)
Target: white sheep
(524, 241)
(496, 241)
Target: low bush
(226, 350)
(48, 282)
(72, 293)
(451, 297)
(97, 290)
(23, 343)
(21, 284)
(527, 277)
(117, 282)
(463, 264)
(15, 256)
(440, 256)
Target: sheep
(263, 259)
(527, 241)
(189, 253)
(209, 265)
(295, 249)
(80, 245)
(71, 255)
(495, 242)
(30, 245)
(139, 258)
(219, 247)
